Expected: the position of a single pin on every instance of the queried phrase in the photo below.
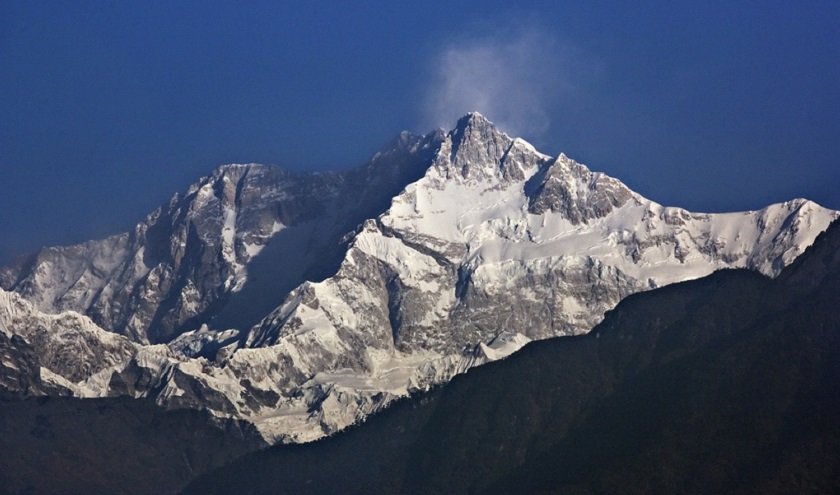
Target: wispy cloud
(516, 77)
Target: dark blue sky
(107, 108)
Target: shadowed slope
(83, 446)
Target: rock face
(462, 247)
(20, 371)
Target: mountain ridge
(305, 304)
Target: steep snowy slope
(206, 254)
(487, 244)
(496, 233)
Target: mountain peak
(570, 188)
(236, 168)
(474, 120)
(474, 149)
(476, 125)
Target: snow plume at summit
(514, 77)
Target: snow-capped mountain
(304, 302)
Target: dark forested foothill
(64, 445)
